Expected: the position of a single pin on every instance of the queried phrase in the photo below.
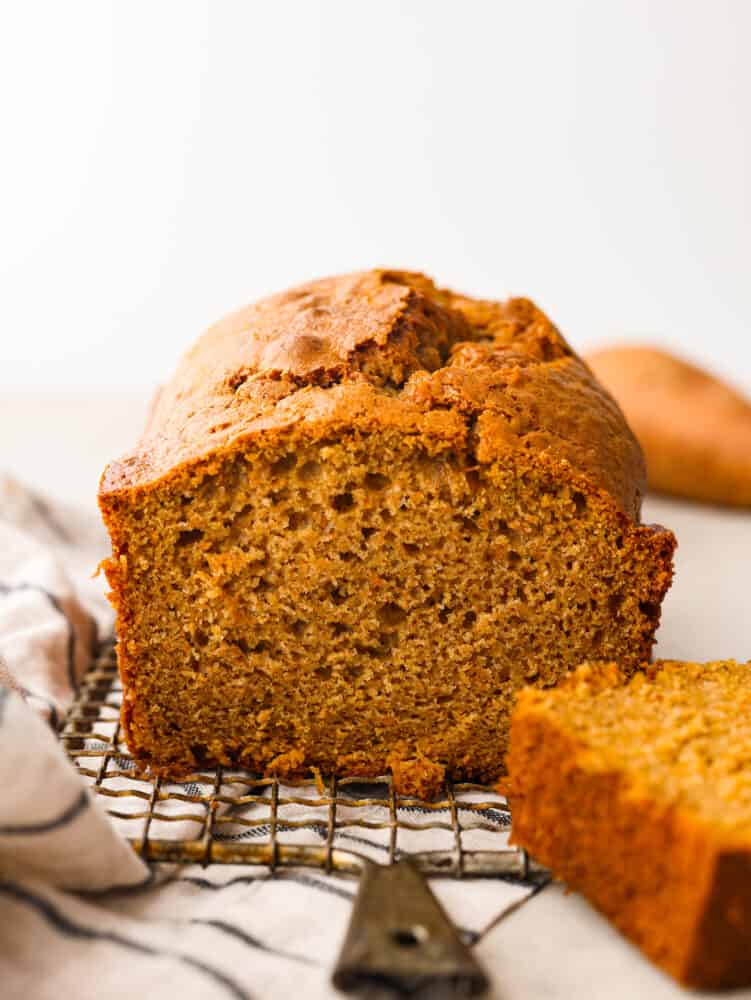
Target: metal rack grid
(231, 816)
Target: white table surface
(555, 946)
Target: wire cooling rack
(231, 816)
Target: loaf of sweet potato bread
(363, 514)
(638, 794)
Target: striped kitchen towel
(80, 913)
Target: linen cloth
(80, 913)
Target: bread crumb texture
(637, 792)
(363, 514)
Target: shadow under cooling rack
(231, 816)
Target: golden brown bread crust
(363, 513)
(695, 430)
(389, 348)
(676, 884)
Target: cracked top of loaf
(390, 351)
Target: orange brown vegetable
(695, 430)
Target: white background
(165, 162)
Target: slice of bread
(695, 430)
(637, 793)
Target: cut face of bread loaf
(638, 794)
(364, 513)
